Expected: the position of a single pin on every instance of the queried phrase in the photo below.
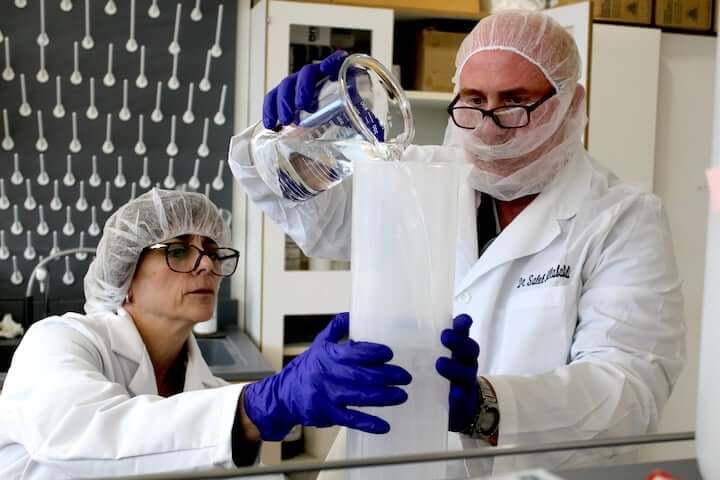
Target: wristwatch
(485, 425)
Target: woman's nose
(205, 265)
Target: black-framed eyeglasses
(507, 116)
(185, 258)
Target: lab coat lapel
(534, 228)
(125, 340)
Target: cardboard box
(436, 59)
(684, 14)
(625, 11)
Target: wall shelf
(429, 99)
(408, 10)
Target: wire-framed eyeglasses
(507, 116)
(185, 258)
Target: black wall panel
(22, 27)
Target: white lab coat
(589, 345)
(80, 401)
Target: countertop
(250, 364)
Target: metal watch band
(488, 414)
(487, 392)
(489, 407)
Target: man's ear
(578, 97)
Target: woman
(124, 389)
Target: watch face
(488, 421)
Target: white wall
(682, 149)
(623, 100)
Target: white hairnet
(153, 217)
(530, 157)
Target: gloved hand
(298, 91)
(461, 369)
(316, 388)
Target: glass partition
(601, 459)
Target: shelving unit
(292, 292)
(276, 294)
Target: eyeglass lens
(184, 258)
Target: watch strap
(488, 411)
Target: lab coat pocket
(538, 325)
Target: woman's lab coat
(80, 400)
(576, 305)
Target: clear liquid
(302, 164)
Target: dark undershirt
(244, 451)
(486, 222)
(175, 376)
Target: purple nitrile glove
(316, 388)
(461, 369)
(299, 90)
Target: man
(567, 273)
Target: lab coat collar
(126, 341)
(530, 232)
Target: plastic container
(404, 225)
(365, 106)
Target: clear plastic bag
(403, 263)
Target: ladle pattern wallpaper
(101, 100)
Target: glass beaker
(364, 114)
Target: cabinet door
(299, 33)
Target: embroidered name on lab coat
(562, 271)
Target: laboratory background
(102, 100)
